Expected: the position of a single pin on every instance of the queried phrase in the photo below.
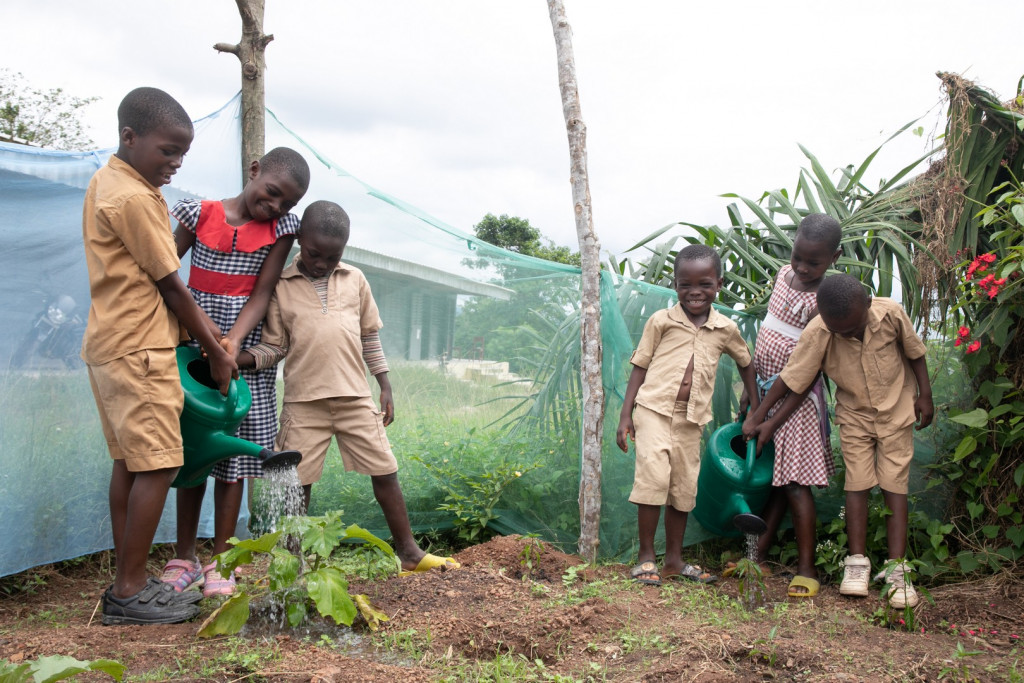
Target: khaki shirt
(128, 247)
(324, 343)
(876, 387)
(668, 342)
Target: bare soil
(497, 619)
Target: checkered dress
(260, 425)
(802, 450)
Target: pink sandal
(216, 584)
(182, 574)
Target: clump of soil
(541, 613)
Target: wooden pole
(250, 51)
(590, 256)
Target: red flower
(992, 292)
(1001, 281)
(958, 341)
(988, 258)
(987, 280)
(973, 267)
(973, 346)
(964, 332)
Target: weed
(572, 574)
(763, 649)
(957, 668)
(410, 642)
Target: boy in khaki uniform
(137, 303)
(322, 316)
(869, 349)
(668, 402)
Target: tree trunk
(590, 255)
(250, 52)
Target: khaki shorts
(667, 458)
(876, 460)
(139, 398)
(307, 427)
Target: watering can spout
(734, 480)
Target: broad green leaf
(965, 448)
(977, 418)
(1018, 475)
(283, 569)
(329, 591)
(296, 612)
(968, 562)
(990, 530)
(355, 531)
(975, 509)
(1016, 535)
(227, 619)
(322, 539)
(60, 667)
(241, 551)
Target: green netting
(484, 346)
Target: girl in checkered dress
(803, 455)
(239, 247)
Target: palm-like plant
(879, 240)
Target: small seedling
(529, 556)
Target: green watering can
(209, 421)
(733, 480)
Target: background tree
(508, 328)
(47, 118)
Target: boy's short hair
(145, 109)
(838, 294)
(820, 227)
(287, 160)
(326, 218)
(699, 252)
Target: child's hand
(744, 405)
(223, 369)
(625, 433)
(749, 427)
(387, 405)
(764, 432)
(229, 345)
(924, 411)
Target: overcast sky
(453, 105)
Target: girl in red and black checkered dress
(239, 247)
(803, 454)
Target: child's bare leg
(227, 501)
(648, 517)
(675, 529)
(801, 505)
(189, 509)
(896, 524)
(857, 521)
(120, 488)
(772, 514)
(145, 504)
(389, 495)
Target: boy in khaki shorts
(322, 316)
(137, 303)
(667, 403)
(869, 349)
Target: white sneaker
(898, 590)
(855, 576)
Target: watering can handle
(232, 398)
(751, 457)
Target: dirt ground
(561, 622)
